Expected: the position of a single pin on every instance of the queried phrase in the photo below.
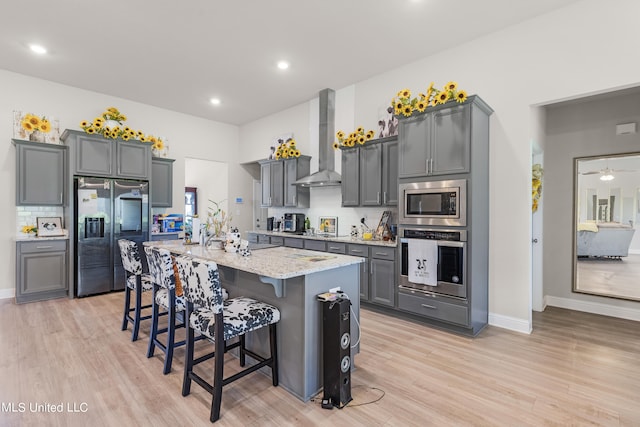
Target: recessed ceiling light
(283, 65)
(215, 101)
(36, 48)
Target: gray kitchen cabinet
(294, 169)
(361, 251)
(161, 182)
(379, 173)
(293, 242)
(41, 270)
(382, 276)
(370, 173)
(272, 176)
(41, 171)
(315, 245)
(94, 155)
(438, 141)
(350, 159)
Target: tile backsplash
(27, 215)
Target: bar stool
(220, 321)
(165, 295)
(136, 281)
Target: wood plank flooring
(574, 369)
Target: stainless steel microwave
(434, 203)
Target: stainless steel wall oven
(451, 262)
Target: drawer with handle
(315, 245)
(336, 248)
(358, 250)
(383, 253)
(433, 307)
(43, 246)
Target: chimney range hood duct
(326, 175)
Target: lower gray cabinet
(361, 251)
(41, 270)
(161, 182)
(383, 276)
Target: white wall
(211, 178)
(553, 57)
(188, 137)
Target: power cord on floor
(318, 400)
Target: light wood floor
(575, 369)
(616, 277)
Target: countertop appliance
(434, 203)
(294, 223)
(270, 223)
(106, 210)
(451, 263)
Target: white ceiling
(178, 54)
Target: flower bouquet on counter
(358, 136)
(404, 105)
(218, 221)
(29, 229)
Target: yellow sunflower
(461, 96)
(140, 134)
(327, 223)
(298, 153)
(35, 121)
(292, 152)
(29, 229)
(443, 97)
(399, 105)
(362, 139)
(340, 134)
(278, 156)
(360, 129)
(370, 135)
(422, 105)
(405, 93)
(84, 124)
(451, 86)
(407, 110)
(97, 123)
(26, 125)
(90, 130)
(45, 126)
(158, 145)
(125, 137)
(335, 146)
(397, 111)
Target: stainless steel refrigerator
(106, 210)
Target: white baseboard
(594, 307)
(7, 293)
(634, 251)
(511, 323)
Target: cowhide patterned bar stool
(167, 293)
(136, 281)
(221, 321)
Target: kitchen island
(289, 279)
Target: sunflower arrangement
(358, 136)
(110, 124)
(28, 229)
(536, 185)
(33, 123)
(404, 104)
(287, 149)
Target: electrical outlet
(334, 290)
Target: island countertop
(277, 262)
(338, 239)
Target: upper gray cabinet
(277, 180)
(95, 155)
(294, 169)
(370, 174)
(272, 175)
(40, 173)
(438, 142)
(161, 182)
(350, 160)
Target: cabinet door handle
(426, 166)
(358, 251)
(378, 198)
(61, 197)
(384, 198)
(334, 248)
(382, 254)
(44, 247)
(429, 306)
(365, 267)
(371, 269)
(431, 161)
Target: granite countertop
(339, 239)
(277, 262)
(29, 238)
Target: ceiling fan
(606, 174)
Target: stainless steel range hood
(326, 175)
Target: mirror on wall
(606, 222)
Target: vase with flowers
(403, 104)
(358, 136)
(36, 126)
